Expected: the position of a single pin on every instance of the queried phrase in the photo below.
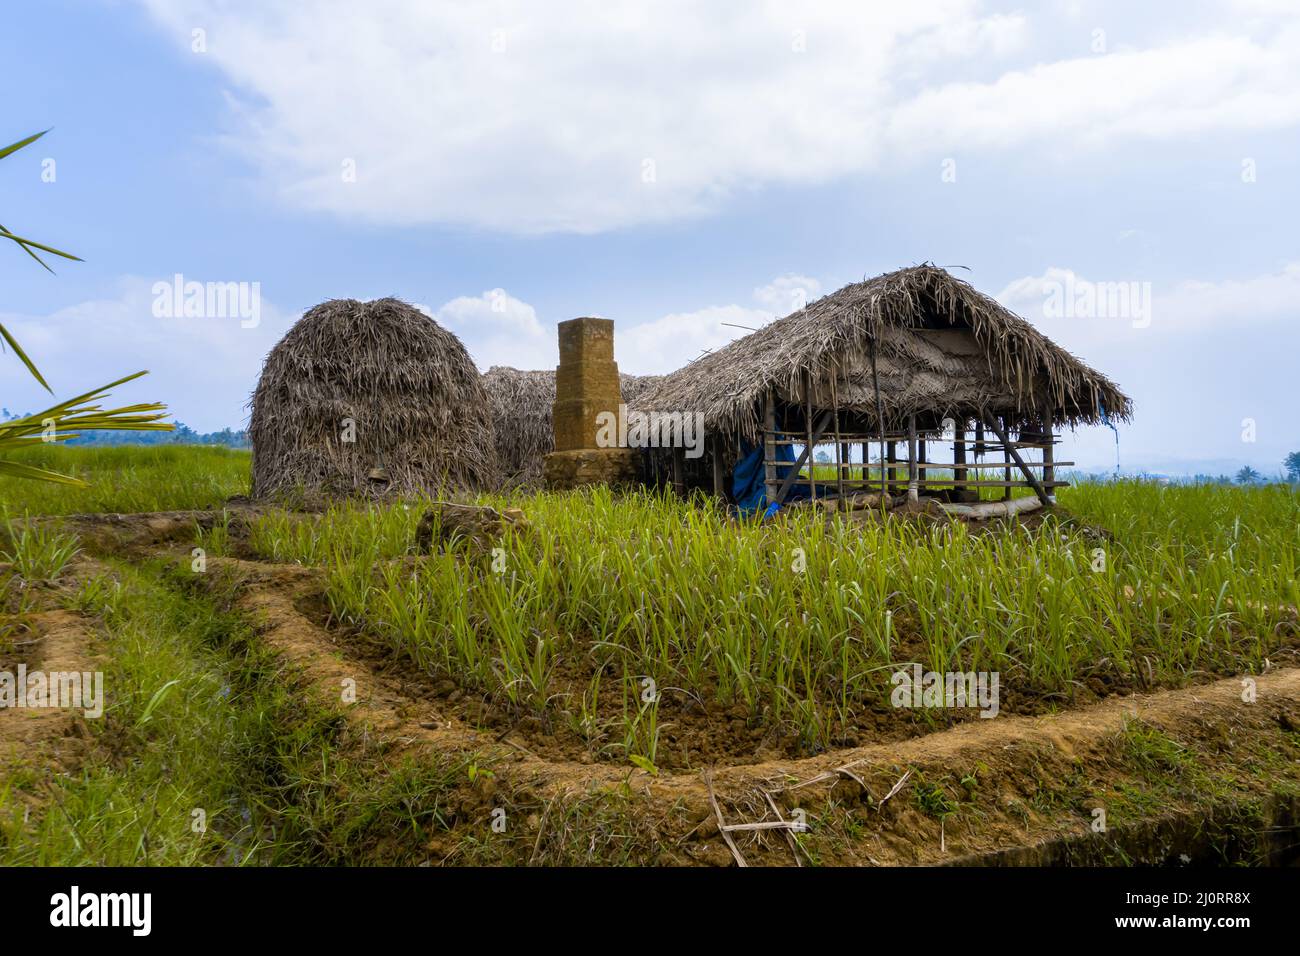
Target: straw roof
(521, 403)
(941, 347)
(420, 412)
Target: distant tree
(1292, 465)
(823, 458)
(1248, 476)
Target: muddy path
(38, 731)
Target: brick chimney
(586, 384)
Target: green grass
(175, 738)
(38, 553)
(198, 718)
(598, 594)
(1194, 580)
(127, 479)
(1191, 580)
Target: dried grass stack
(421, 416)
(522, 404)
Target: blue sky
(671, 166)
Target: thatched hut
(885, 363)
(522, 405)
(370, 398)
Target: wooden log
(993, 509)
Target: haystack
(521, 404)
(370, 398)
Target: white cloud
(532, 117)
(499, 329)
(1213, 354)
(1184, 308)
(204, 369)
(787, 293)
(1219, 82)
(666, 344)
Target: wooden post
(1049, 469)
(679, 470)
(719, 488)
(920, 463)
(866, 457)
(769, 448)
(808, 429)
(804, 456)
(891, 455)
(841, 452)
(1005, 435)
(913, 494)
(959, 458)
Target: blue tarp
(747, 480)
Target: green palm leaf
(63, 421)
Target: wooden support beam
(808, 426)
(1001, 432)
(1049, 466)
(804, 456)
(769, 447)
(1006, 473)
(719, 487)
(959, 453)
(679, 470)
(913, 493)
(841, 450)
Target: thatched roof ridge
(421, 420)
(522, 403)
(1018, 369)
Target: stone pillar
(586, 384)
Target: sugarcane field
(559, 437)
